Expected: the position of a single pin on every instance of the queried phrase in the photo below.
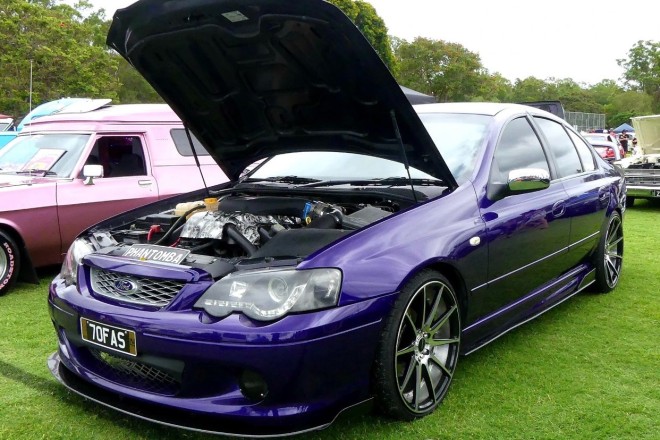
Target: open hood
(255, 78)
(647, 131)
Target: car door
(588, 194)
(127, 183)
(527, 234)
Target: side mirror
(525, 180)
(90, 172)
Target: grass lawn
(589, 369)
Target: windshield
(460, 138)
(53, 153)
(332, 165)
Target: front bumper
(315, 365)
(643, 192)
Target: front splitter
(172, 417)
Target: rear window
(183, 145)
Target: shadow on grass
(646, 205)
(81, 405)
(28, 379)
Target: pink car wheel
(9, 262)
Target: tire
(609, 255)
(630, 201)
(9, 262)
(418, 349)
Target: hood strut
(194, 152)
(397, 133)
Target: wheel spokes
(441, 342)
(430, 386)
(434, 309)
(427, 345)
(411, 321)
(613, 252)
(409, 372)
(441, 364)
(443, 320)
(612, 271)
(418, 385)
(408, 349)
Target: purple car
(373, 244)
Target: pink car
(66, 172)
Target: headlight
(266, 295)
(78, 249)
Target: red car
(608, 150)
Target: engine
(240, 227)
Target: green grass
(589, 369)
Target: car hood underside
(261, 77)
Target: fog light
(252, 385)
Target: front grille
(649, 177)
(134, 289)
(134, 374)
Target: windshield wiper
(37, 171)
(294, 180)
(385, 181)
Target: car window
(584, 152)
(121, 156)
(459, 137)
(183, 145)
(52, 152)
(519, 147)
(561, 147)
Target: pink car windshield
(51, 152)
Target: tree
(134, 88)
(642, 69)
(626, 105)
(605, 91)
(532, 89)
(574, 96)
(371, 25)
(493, 88)
(62, 47)
(446, 70)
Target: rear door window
(561, 147)
(584, 151)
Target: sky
(576, 39)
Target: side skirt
(587, 280)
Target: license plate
(108, 336)
(161, 254)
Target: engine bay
(247, 229)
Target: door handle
(559, 208)
(144, 182)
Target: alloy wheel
(613, 252)
(427, 346)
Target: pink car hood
(11, 180)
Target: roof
(483, 108)
(115, 114)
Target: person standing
(623, 140)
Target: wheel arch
(455, 278)
(27, 271)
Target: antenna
(199, 167)
(397, 133)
